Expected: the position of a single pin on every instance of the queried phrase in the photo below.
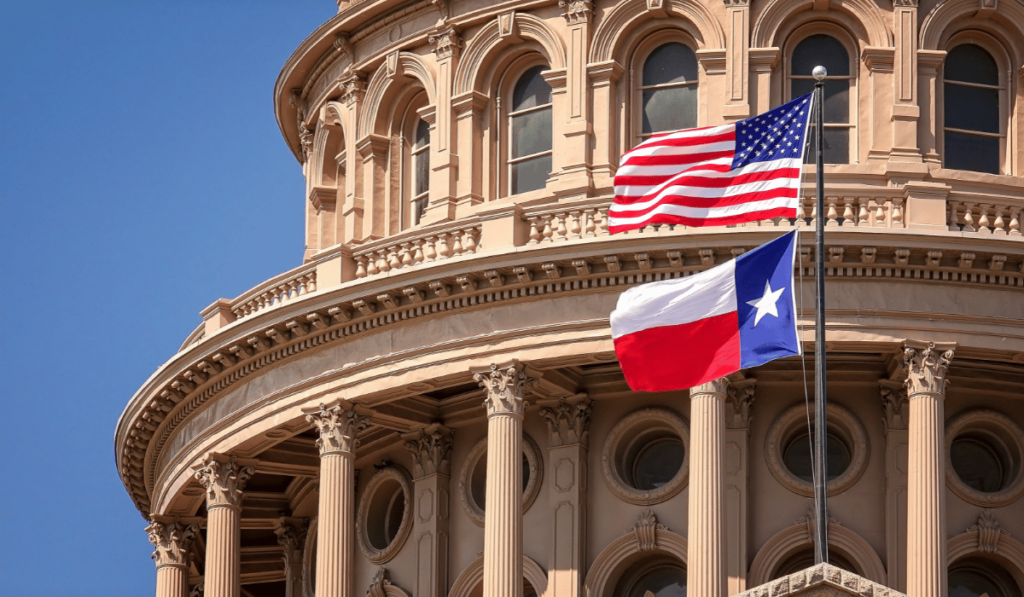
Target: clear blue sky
(142, 176)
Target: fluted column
(431, 450)
(506, 388)
(926, 365)
(224, 478)
(705, 537)
(338, 424)
(171, 542)
(291, 535)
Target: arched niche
(620, 29)
(862, 17)
(488, 45)
(328, 155)
(644, 540)
(799, 536)
(988, 541)
(389, 82)
(473, 575)
(948, 18)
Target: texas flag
(676, 334)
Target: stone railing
(416, 247)
(984, 218)
(276, 291)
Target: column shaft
(335, 526)
(706, 548)
(223, 552)
(172, 581)
(503, 523)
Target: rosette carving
(926, 365)
(568, 420)
(224, 478)
(506, 388)
(338, 424)
(171, 542)
(431, 450)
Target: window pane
(657, 463)
(972, 64)
(531, 133)
(837, 98)
(823, 50)
(797, 457)
(972, 108)
(972, 152)
(530, 175)
(422, 134)
(531, 90)
(977, 464)
(837, 146)
(666, 581)
(670, 63)
(421, 163)
(418, 207)
(669, 109)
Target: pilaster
(928, 64)
(171, 542)
(905, 107)
(737, 66)
(762, 62)
(568, 421)
(925, 364)
(431, 450)
(352, 87)
(444, 164)
(735, 461)
(469, 108)
(604, 76)
(706, 567)
(223, 477)
(574, 174)
(291, 536)
(895, 411)
(880, 114)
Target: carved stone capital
(506, 387)
(338, 424)
(926, 364)
(740, 404)
(431, 449)
(379, 584)
(737, 3)
(352, 87)
(646, 530)
(446, 43)
(305, 140)
(904, 3)
(576, 11)
(224, 478)
(894, 406)
(715, 386)
(568, 420)
(291, 535)
(171, 542)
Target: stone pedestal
(224, 478)
(705, 538)
(171, 542)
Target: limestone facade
(430, 404)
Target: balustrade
(276, 293)
(383, 256)
(999, 219)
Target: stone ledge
(823, 579)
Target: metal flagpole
(820, 436)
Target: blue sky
(142, 176)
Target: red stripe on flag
(705, 202)
(677, 159)
(749, 216)
(705, 182)
(667, 141)
(680, 356)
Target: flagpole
(820, 436)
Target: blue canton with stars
(778, 133)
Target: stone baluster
(456, 244)
(926, 364)
(568, 421)
(535, 231)
(1014, 221)
(430, 251)
(469, 244)
(443, 250)
(999, 223)
(360, 267)
(575, 228)
(954, 225)
(801, 213)
(561, 232)
(895, 411)
(880, 213)
(848, 212)
(406, 255)
(506, 387)
(431, 450)
(224, 478)
(897, 213)
(831, 213)
(547, 232)
(814, 212)
(171, 544)
(984, 225)
(705, 538)
(291, 536)
(968, 217)
(862, 211)
(392, 259)
(589, 227)
(338, 424)
(418, 256)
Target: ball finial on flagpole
(819, 73)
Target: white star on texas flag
(766, 304)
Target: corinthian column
(338, 424)
(224, 478)
(926, 365)
(171, 542)
(705, 537)
(506, 388)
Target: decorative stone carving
(342, 44)
(291, 537)
(576, 11)
(646, 530)
(224, 479)
(625, 433)
(352, 88)
(737, 3)
(740, 404)
(379, 584)
(904, 3)
(926, 365)
(306, 140)
(988, 532)
(568, 420)
(444, 12)
(197, 591)
(894, 405)
(446, 43)
(381, 489)
(506, 388)
(338, 425)
(171, 542)
(431, 449)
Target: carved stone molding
(904, 3)
(306, 141)
(988, 531)
(171, 542)
(926, 364)
(637, 427)
(568, 420)
(576, 11)
(737, 3)
(506, 387)
(740, 404)
(291, 535)
(338, 424)
(352, 88)
(646, 530)
(431, 449)
(534, 463)
(447, 43)
(198, 590)
(382, 488)
(894, 406)
(1000, 433)
(379, 584)
(715, 386)
(224, 478)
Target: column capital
(431, 449)
(447, 43)
(926, 364)
(568, 420)
(224, 477)
(894, 405)
(506, 386)
(740, 404)
(338, 423)
(718, 386)
(352, 87)
(171, 542)
(576, 11)
(291, 534)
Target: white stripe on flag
(705, 212)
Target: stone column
(506, 387)
(735, 460)
(431, 450)
(706, 520)
(894, 415)
(291, 535)
(338, 424)
(926, 364)
(171, 541)
(224, 478)
(568, 420)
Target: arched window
(659, 576)
(529, 126)
(668, 90)
(827, 51)
(420, 171)
(975, 578)
(971, 128)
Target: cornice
(193, 377)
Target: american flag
(744, 171)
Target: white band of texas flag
(676, 334)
